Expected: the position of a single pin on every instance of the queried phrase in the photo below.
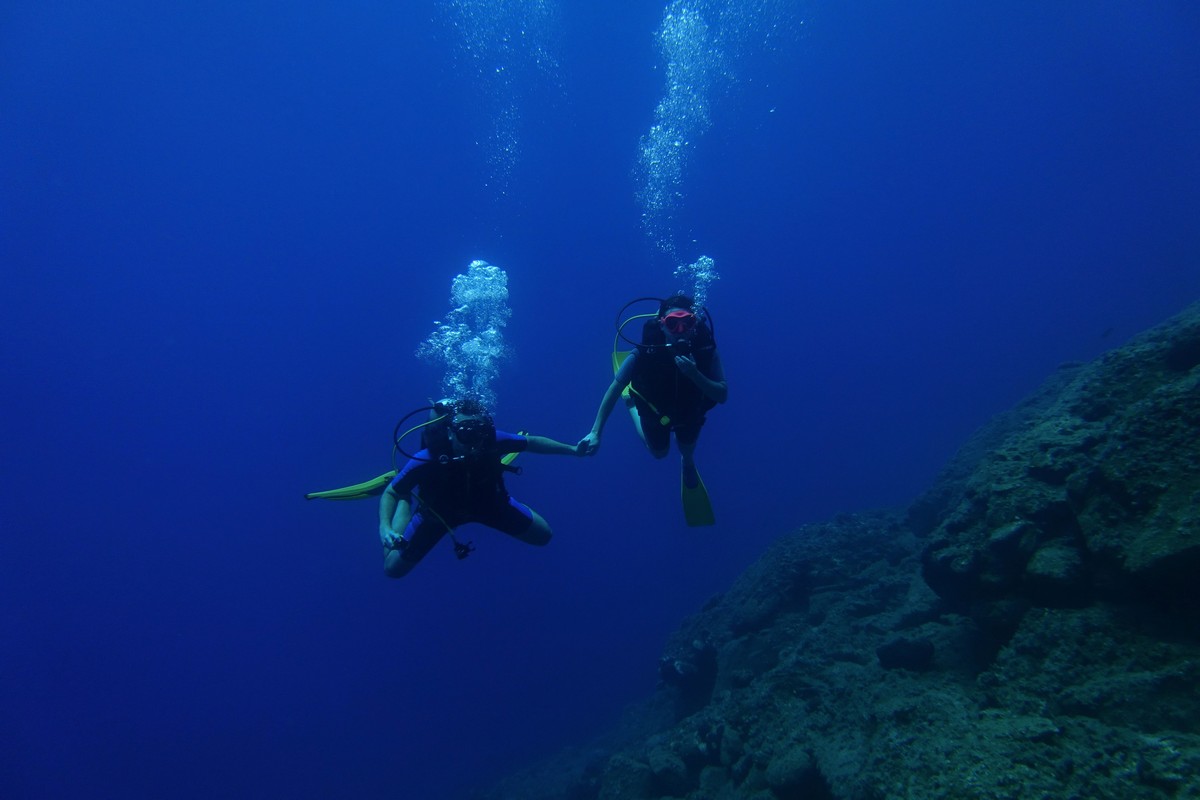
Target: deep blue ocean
(226, 227)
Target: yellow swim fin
(359, 491)
(697, 509)
(618, 358)
(508, 458)
(375, 486)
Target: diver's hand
(388, 537)
(687, 365)
(589, 445)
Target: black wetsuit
(661, 390)
(451, 494)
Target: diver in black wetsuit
(674, 377)
(458, 477)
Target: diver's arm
(715, 387)
(553, 447)
(394, 514)
(590, 444)
(609, 401)
(607, 404)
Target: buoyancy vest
(465, 485)
(657, 382)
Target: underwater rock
(693, 672)
(1098, 491)
(905, 654)
(794, 773)
(670, 773)
(625, 777)
(1027, 628)
(1054, 575)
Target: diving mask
(471, 431)
(678, 322)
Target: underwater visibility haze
(241, 240)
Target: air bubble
(470, 339)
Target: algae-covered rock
(1096, 492)
(1028, 628)
(625, 778)
(670, 773)
(905, 653)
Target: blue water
(226, 227)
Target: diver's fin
(359, 491)
(618, 358)
(697, 509)
(508, 458)
(375, 486)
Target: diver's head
(435, 431)
(677, 317)
(471, 427)
(676, 301)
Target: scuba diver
(671, 378)
(458, 477)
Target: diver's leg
(637, 420)
(521, 522)
(656, 436)
(538, 532)
(697, 508)
(687, 452)
(394, 566)
(418, 539)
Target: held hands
(588, 445)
